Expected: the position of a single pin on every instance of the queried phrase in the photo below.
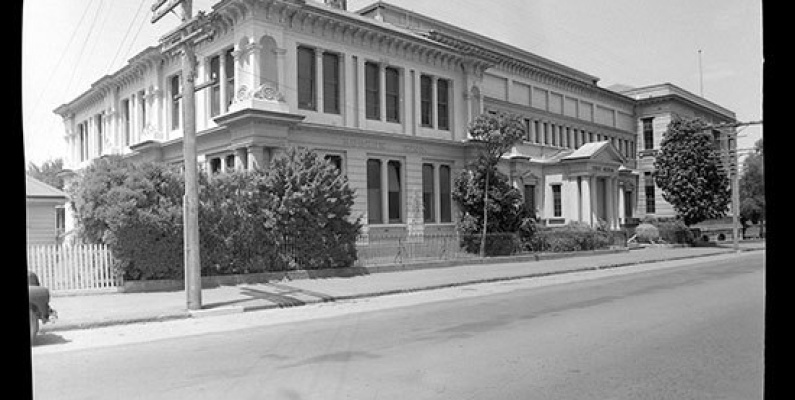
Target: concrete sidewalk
(89, 311)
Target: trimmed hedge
(572, 237)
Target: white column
(241, 158)
(586, 199)
(621, 210)
(592, 217)
(349, 88)
(437, 202)
(281, 73)
(609, 212)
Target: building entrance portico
(594, 175)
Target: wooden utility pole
(183, 39)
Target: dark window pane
(392, 95)
(331, 86)
(426, 118)
(374, 191)
(445, 210)
(306, 78)
(394, 194)
(215, 89)
(530, 197)
(427, 193)
(648, 133)
(442, 104)
(335, 160)
(556, 201)
(372, 91)
(175, 102)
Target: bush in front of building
(647, 233)
(294, 215)
(574, 236)
(509, 221)
(675, 231)
(135, 209)
(297, 214)
(310, 217)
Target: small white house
(44, 209)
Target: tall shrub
(311, 211)
(135, 209)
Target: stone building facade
(386, 94)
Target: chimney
(338, 4)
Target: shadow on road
(278, 294)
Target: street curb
(226, 310)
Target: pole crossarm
(190, 33)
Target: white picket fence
(74, 268)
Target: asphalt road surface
(690, 331)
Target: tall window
(142, 108)
(648, 133)
(557, 203)
(650, 201)
(125, 123)
(98, 122)
(428, 193)
(374, 191)
(530, 197)
(372, 91)
(229, 70)
(392, 77)
(331, 83)
(426, 106)
(83, 142)
(306, 78)
(443, 104)
(445, 194)
(394, 191)
(176, 101)
(215, 89)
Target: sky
(69, 44)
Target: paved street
(693, 329)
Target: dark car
(40, 310)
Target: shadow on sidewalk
(278, 294)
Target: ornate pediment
(603, 152)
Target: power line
(77, 64)
(126, 33)
(58, 64)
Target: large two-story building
(386, 94)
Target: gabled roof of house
(35, 188)
(593, 150)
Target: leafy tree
(494, 134)
(136, 209)
(689, 172)
(311, 211)
(48, 172)
(752, 186)
(295, 214)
